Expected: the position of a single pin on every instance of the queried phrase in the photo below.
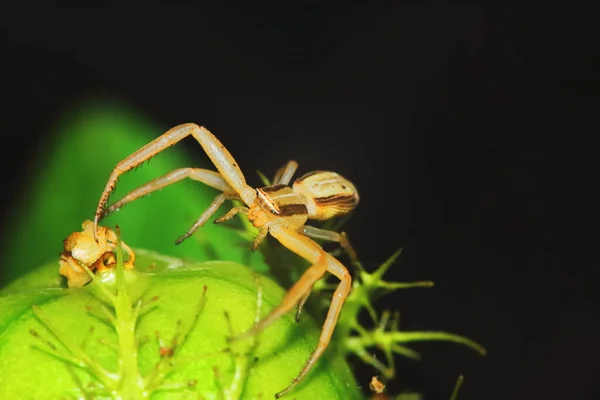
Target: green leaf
(72, 168)
(66, 349)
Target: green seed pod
(161, 332)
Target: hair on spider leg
(145, 162)
(114, 189)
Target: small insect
(279, 209)
(376, 385)
(92, 248)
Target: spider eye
(267, 200)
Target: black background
(445, 116)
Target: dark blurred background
(445, 116)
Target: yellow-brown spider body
(279, 210)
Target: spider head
(280, 201)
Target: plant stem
(132, 384)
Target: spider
(279, 210)
(94, 252)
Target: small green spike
(266, 181)
(378, 274)
(404, 285)
(423, 336)
(457, 387)
(406, 352)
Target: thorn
(378, 274)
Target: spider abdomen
(327, 194)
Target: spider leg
(283, 176)
(262, 233)
(218, 154)
(231, 213)
(331, 236)
(321, 262)
(210, 178)
(212, 208)
(301, 303)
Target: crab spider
(279, 209)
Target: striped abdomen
(327, 194)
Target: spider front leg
(219, 155)
(321, 262)
(210, 178)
